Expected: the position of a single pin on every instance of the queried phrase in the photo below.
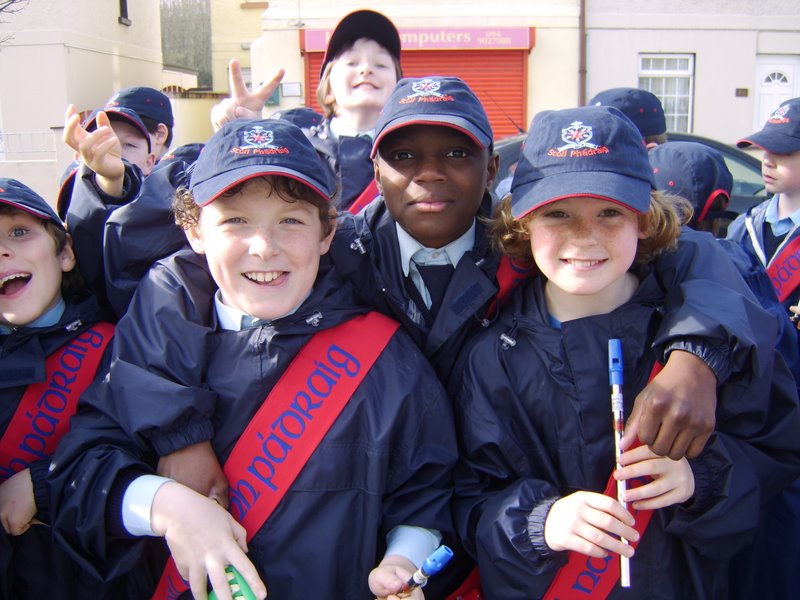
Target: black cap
(17, 194)
(362, 24)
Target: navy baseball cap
(302, 116)
(117, 113)
(693, 171)
(65, 185)
(640, 106)
(781, 132)
(17, 194)
(588, 151)
(145, 102)
(446, 101)
(242, 150)
(362, 24)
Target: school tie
(436, 278)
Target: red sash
(509, 275)
(42, 416)
(784, 269)
(301, 407)
(588, 577)
(368, 195)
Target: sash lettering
(784, 269)
(43, 413)
(291, 423)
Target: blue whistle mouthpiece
(615, 362)
(437, 560)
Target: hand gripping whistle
(239, 588)
(432, 565)
(615, 380)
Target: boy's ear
(67, 256)
(325, 243)
(492, 169)
(161, 134)
(195, 239)
(149, 164)
(377, 171)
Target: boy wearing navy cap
(640, 106)
(154, 109)
(362, 424)
(51, 347)
(359, 70)
(769, 231)
(134, 139)
(536, 437)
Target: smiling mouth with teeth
(261, 277)
(13, 283)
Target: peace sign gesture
(243, 103)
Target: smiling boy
(248, 318)
(51, 347)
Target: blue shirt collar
(454, 250)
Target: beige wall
(69, 52)
(234, 25)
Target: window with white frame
(671, 78)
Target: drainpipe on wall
(582, 54)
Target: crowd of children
(335, 349)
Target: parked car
(748, 185)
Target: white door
(778, 79)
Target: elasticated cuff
(166, 442)
(536, 521)
(715, 356)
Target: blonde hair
(325, 96)
(661, 224)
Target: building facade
(720, 67)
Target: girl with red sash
(533, 409)
(335, 436)
(52, 344)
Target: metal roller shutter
(498, 77)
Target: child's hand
(203, 538)
(673, 480)
(795, 317)
(591, 524)
(387, 579)
(197, 467)
(100, 150)
(242, 103)
(17, 504)
(674, 414)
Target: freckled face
(584, 246)
(262, 251)
(433, 179)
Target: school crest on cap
(577, 135)
(577, 140)
(779, 116)
(258, 140)
(427, 90)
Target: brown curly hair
(187, 212)
(661, 223)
